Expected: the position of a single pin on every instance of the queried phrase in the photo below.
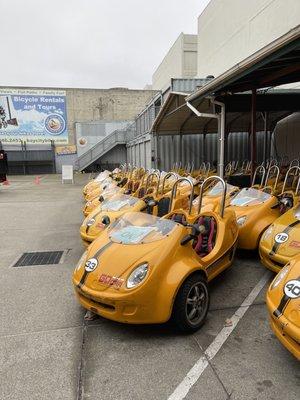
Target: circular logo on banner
(91, 264)
(281, 237)
(55, 124)
(292, 289)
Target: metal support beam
(253, 132)
(181, 149)
(265, 116)
(221, 132)
(157, 151)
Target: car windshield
(249, 197)
(135, 228)
(119, 202)
(102, 176)
(110, 191)
(218, 189)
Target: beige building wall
(180, 62)
(231, 30)
(115, 104)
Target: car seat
(163, 206)
(179, 218)
(205, 241)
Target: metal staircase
(106, 144)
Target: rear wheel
(191, 304)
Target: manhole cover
(39, 258)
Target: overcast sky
(89, 43)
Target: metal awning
(275, 64)
(176, 118)
(230, 109)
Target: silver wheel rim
(196, 303)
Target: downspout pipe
(221, 131)
(221, 138)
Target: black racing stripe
(286, 230)
(81, 283)
(96, 255)
(283, 304)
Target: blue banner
(34, 116)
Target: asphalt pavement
(47, 352)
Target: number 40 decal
(292, 289)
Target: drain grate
(39, 258)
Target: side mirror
(101, 199)
(152, 203)
(186, 240)
(193, 235)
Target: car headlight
(137, 275)
(81, 260)
(280, 276)
(241, 220)
(267, 233)
(90, 222)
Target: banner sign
(65, 150)
(34, 116)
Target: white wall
(286, 137)
(179, 62)
(231, 30)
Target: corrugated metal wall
(26, 158)
(139, 152)
(187, 85)
(195, 148)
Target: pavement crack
(259, 303)
(228, 394)
(82, 363)
(41, 331)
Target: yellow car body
(283, 302)
(255, 210)
(166, 250)
(91, 205)
(114, 207)
(106, 213)
(95, 182)
(281, 242)
(97, 190)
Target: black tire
(183, 309)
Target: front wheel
(191, 304)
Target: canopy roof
(175, 117)
(275, 64)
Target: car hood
(290, 226)
(291, 309)
(119, 260)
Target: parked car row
(156, 239)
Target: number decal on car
(91, 264)
(292, 289)
(281, 237)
